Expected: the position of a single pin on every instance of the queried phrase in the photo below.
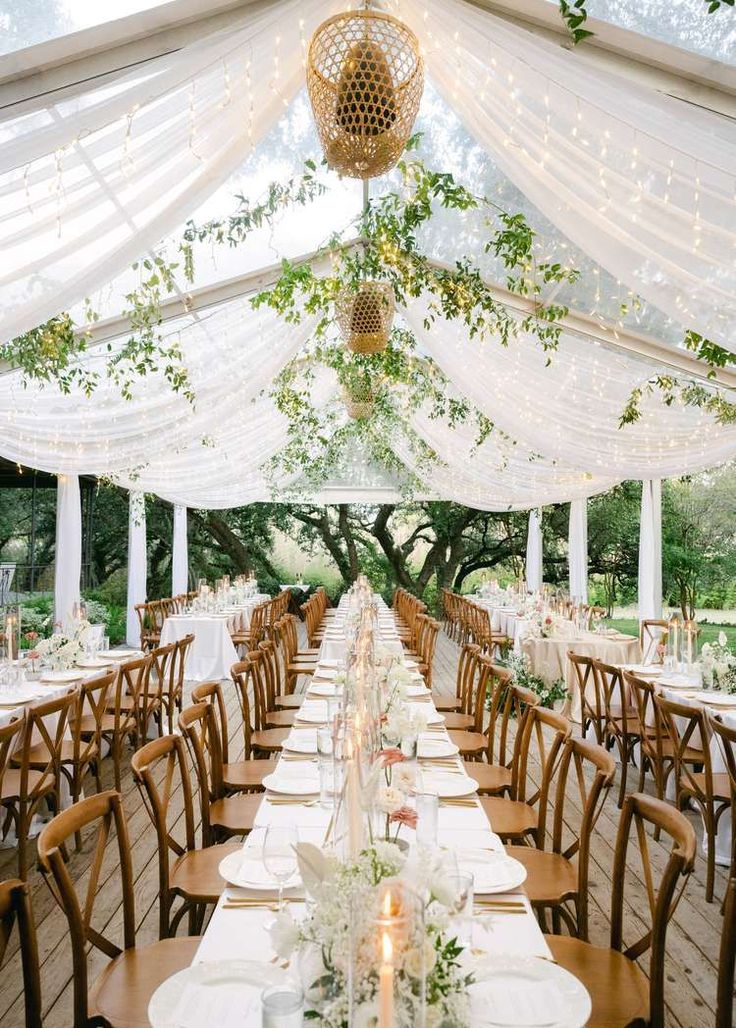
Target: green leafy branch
(575, 15)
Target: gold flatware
(289, 801)
(457, 803)
(484, 908)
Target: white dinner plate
(90, 664)
(492, 872)
(24, 693)
(324, 689)
(716, 699)
(60, 676)
(417, 690)
(431, 746)
(447, 784)
(120, 654)
(292, 785)
(527, 992)
(301, 742)
(313, 714)
(246, 870)
(435, 718)
(645, 670)
(207, 993)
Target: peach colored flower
(390, 756)
(404, 816)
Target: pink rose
(391, 756)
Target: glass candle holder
(282, 1006)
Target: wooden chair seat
(721, 785)
(510, 819)
(195, 874)
(470, 744)
(12, 780)
(235, 815)
(618, 987)
(247, 774)
(289, 701)
(39, 756)
(447, 705)
(88, 727)
(122, 992)
(461, 723)
(270, 740)
(491, 778)
(551, 878)
(280, 718)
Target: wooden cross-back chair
(296, 662)
(15, 907)
(727, 959)
(710, 792)
(238, 776)
(621, 992)
(25, 787)
(121, 719)
(223, 816)
(554, 881)
(270, 668)
(160, 768)
(725, 737)
(146, 626)
(498, 775)
(427, 649)
(591, 702)
(466, 726)
(122, 992)
(9, 738)
(461, 702)
(540, 748)
(621, 719)
(248, 676)
(160, 679)
(657, 746)
(652, 632)
(172, 690)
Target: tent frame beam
(605, 333)
(41, 74)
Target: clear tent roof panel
(27, 22)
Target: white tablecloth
(212, 653)
(243, 932)
(548, 659)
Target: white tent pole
(179, 553)
(578, 550)
(68, 563)
(650, 550)
(534, 574)
(136, 565)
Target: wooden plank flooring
(692, 941)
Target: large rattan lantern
(365, 316)
(365, 78)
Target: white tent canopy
(634, 187)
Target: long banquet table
(212, 653)
(242, 932)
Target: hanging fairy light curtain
(643, 183)
(365, 78)
(89, 183)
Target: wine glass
(279, 855)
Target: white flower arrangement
(718, 665)
(336, 942)
(60, 651)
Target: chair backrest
(257, 627)
(540, 752)
(594, 770)
(725, 737)
(15, 905)
(652, 729)
(639, 811)
(40, 717)
(104, 809)
(510, 702)
(160, 768)
(469, 654)
(727, 958)
(179, 664)
(92, 701)
(10, 736)
(591, 702)
(429, 641)
(610, 691)
(211, 692)
(687, 727)
(163, 668)
(133, 681)
(271, 673)
(242, 675)
(199, 726)
(652, 632)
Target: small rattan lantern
(365, 78)
(365, 316)
(359, 401)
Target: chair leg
(624, 752)
(709, 829)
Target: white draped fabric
(578, 550)
(137, 565)
(534, 568)
(179, 552)
(642, 183)
(88, 184)
(650, 550)
(68, 554)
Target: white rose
(403, 778)
(284, 934)
(415, 957)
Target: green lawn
(708, 633)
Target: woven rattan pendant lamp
(365, 78)
(365, 316)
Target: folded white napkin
(224, 1004)
(517, 1002)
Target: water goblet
(279, 855)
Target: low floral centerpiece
(358, 952)
(61, 650)
(718, 665)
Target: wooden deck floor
(692, 942)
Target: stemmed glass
(279, 855)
